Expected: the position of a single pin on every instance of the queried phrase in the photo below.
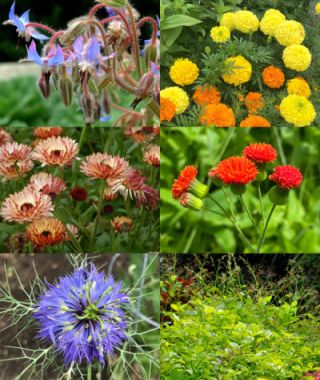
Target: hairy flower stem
(154, 24)
(265, 229)
(97, 220)
(245, 207)
(55, 37)
(135, 41)
(41, 26)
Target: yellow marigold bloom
(240, 71)
(290, 33)
(206, 94)
(297, 57)
(167, 109)
(246, 22)
(177, 96)
(297, 110)
(317, 8)
(220, 34)
(255, 121)
(227, 20)
(184, 72)
(218, 115)
(299, 86)
(270, 21)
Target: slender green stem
(245, 207)
(96, 222)
(261, 205)
(225, 143)
(219, 205)
(265, 229)
(277, 138)
(214, 212)
(89, 372)
(83, 135)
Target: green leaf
(177, 21)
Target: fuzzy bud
(150, 54)
(144, 88)
(66, 90)
(113, 3)
(93, 87)
(44, 84)
(89, 106)
(199, 189)
(238, 189)
(74, 30)
(190, 201)
(106, 101)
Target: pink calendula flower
(15, 160)
(60, 151)
(152, 155)
(103, 166)
(47, 184)
(5, 137)
(26, 206)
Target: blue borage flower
(82, 316)
(55, 56)
(21, 22)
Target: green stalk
(265, 229)
(261, 205)
(245, 207)
(96, 222)
(89, 372)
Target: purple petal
(154, 68)
(38, 36)
(56, 56)
(78, 47)
(33, 55)
(105, 118)
(93, 50)
(25, 17)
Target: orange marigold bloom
(260, 153)
(152, 155)
(254, 102)
(46, 132)
(236, 170)
(59, 151)
(184, 181)
(103, 165)
(5, 137)
(46, 231)
(167, 109)
(255, 121)
(206, 95)
(26, 206)
(47, 184)
(273, 77)
(122, 224)
(218, 115)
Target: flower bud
(190, 201)
(261, 176)
(278, 196)
(150, 54)
(44, 84)
(198, 188)
(74, 30)
(106, 100)
(113, 3)
(89, 107)
(93, 87)
(144, 88)
(66, 90)
(55, 77)
(238, 189)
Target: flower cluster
(213, 102)
(82, 316)
(38, 206)
(237, 172)
(96, 59)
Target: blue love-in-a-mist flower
(82, 316)
(55, 56)
(20, 22)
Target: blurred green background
(56, 14)
(294, 228)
